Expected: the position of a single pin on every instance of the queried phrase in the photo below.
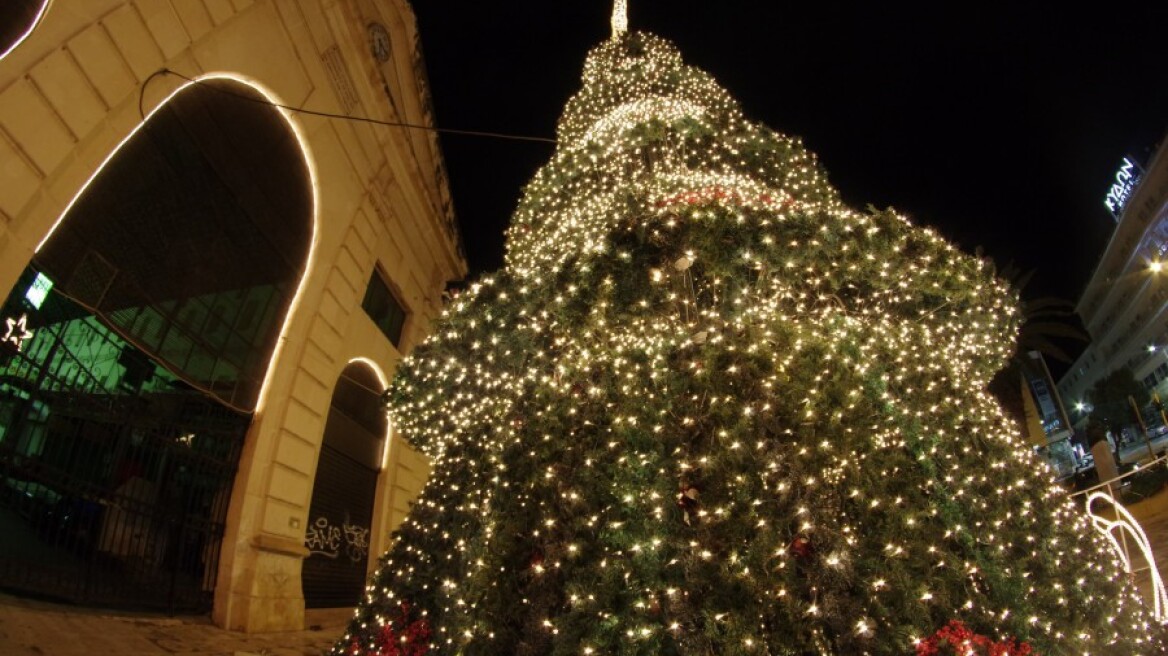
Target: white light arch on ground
(310, 164)
(384, 381)
(32, 26)
(1125, 522)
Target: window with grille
(384, 308)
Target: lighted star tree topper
(706, 408)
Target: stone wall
(84, 81)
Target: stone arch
(168, 280)
(18, 18)
(240, 109)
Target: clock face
(379, 42)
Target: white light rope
(1128, 523)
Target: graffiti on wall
(324, 538)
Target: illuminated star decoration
(18, 332)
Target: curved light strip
(692, 186)
(384, 381)
(32, 26)
(310, 163)
(629, 115)
(1128, 523)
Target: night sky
(1000, 128)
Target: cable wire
(343, 117)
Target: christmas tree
(706, 408)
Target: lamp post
(1082, 410)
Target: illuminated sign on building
(38, 290)
(1126, 180)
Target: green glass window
(384, 309)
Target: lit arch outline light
(36, 21)
(1125, 522)
(310, 164)
(383, 380)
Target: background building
(1047, 424)
(1125, 305)
(206, 294)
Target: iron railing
(114, 474)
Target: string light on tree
(708, 408)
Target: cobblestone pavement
(1157, 531)
(43, 629)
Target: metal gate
(114, 474)
(134, 349)
(341, 512)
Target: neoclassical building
(1125, 305)
(210, 271)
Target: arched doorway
(135, 348)
(341, 513)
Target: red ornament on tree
(400, 636)
(801, 547)
(956, 639)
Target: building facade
(210, 273)
(1047, 423)
(1125, 305)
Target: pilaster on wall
(74, 91)
(400, 482)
